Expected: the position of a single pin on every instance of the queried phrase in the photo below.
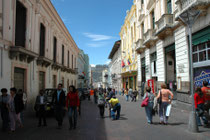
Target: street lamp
(189, 17)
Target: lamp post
(189, 17)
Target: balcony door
(20, 26)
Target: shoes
(45, 124)
(59, 127)
(39, 125)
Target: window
(142, 1)
(41, 80)
(169, 9)
(153, 59)
(201, 52)
(42, 40)
(54, 49)
(62, 54)
(68, 60)
(54, 81)
(20, 26)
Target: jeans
(117, 109)
(205, 121)
(162, 112)
(5, 119)
(127, 97)
(148, 110)
(101, 109)
(72, 116)
(42, 115)
(59, 113)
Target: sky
(94, 24)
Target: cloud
(97, 44)
(92, 65)
(108, 61)
(98, 37)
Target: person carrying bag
(148, 102)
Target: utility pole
(189, 17)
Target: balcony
(141, 13)
(43, 61)
(56, 66)
(22, 53)
(150, 3)
(150, 38)
(164, 26)
(184, 5)
(140, 46)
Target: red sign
(150, 83)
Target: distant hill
(97, 72)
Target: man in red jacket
(206, 91)
(72, 104)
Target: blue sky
(94, 24)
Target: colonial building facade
(81, 70)
(163, 45)
(37, 51)
(115, 66)
(128, 54)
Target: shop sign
(150, 83)
(200, 75)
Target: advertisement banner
(201, 74)
(150, 83)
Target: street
(131, 126)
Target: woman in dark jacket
(72, 104)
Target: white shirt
(41, 99)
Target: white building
(163, 45)
(81, 69)
(36, 49)
(115, 66)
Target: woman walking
(199, 99)
(14, 109)
(126, 95)
(164, 95)
(149, 107)
(72, 104)
(101, 102)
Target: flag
(129, 60)
(123, 64)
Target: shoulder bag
(145, 101)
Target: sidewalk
(182, 116)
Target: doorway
(19, 78)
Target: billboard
(201, 74)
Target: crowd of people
(13, 104)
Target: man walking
(59, 101)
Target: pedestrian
(20, 94)
(15, 107)
(4, 107)
(163, 96)
(199, 100)
(130, 93)
(72, 104)
(149, 107)
(135, 92)
(41, 102)
(115, 107)
(58, 100)
(101, 102)
(126, 95)
(95, 95)
(206, 91)
(123, 91)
